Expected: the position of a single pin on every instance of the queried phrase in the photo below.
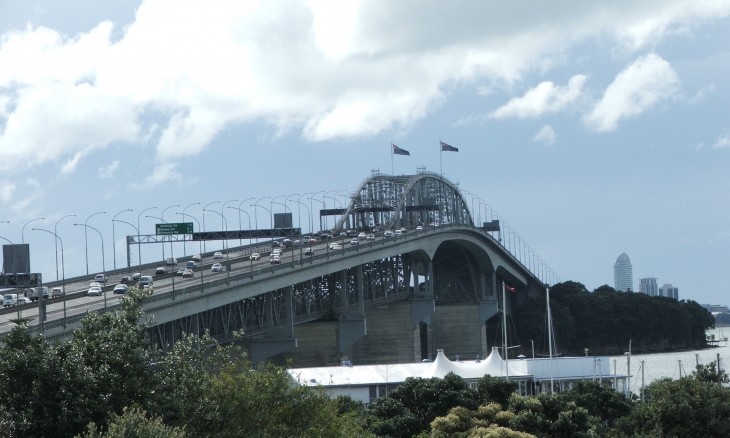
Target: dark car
(126, 280)
(160, 271)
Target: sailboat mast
(504, 331)
(550, 338)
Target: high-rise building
(668, 291)
(648, 286)
(623, 276)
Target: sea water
(672, 365)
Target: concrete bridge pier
(278, 339)
(352, 324)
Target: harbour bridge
(427, 277)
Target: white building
(668, 291)
(623, 276)
(366, 383)
(648, 286)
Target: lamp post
(86, 244)
(309, 213)
(139, 238)
(240, 241)
(163, 243)
(223, 206)
(22, 230)
(271, 218)
(55, 241)
(200, 244)
(185, 253)
(320, 216)
(205, 247)
(256, 216)
(136, 230)
(163, 237)
(114, 235)
(63, 270)
(225, 247)
(103, 263)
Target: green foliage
(134, 423)
(604, 321)
(495, 389)
(389, 417)
(687, 407)
(710, 373)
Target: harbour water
(659, 365)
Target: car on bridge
(160, 271)
(388, 234)
(335, 246)
(217, 255)
(101, 278)
(197, 257)
(127, 279)
(370, 236)
(120, 289)
(171, 261)
(23, 300)
(188, 273)
(275, 260)
(56, 292)
(217, 267)
(180, 272)
(255, 256)
(94, 291)
(309, 252)
(354, 242)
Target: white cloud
(640, 86)
(546, 135)
(7, 189)
(163, 172)
(322, 70)
(545, 98)
(722, 142)
(110, 170)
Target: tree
(134, 423)
(495, 389)
(710, 373)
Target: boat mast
(550, 338)
(504, 331)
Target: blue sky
(591, 128)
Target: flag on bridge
(399, 151)
(509, 288)
(447, 147)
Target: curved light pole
(139, 241)
(63, 270)
(200, 243)
(240, 241)
(205, 247)
(103, 264)
(22, 230)
(309, 213)
(55, 241)
(223, 206)
(185, 253)
(299, 211)
(162, 215)
(114, 235)
(256, 216)
(86, 240)
(225, 247)
(271, 218)
(164, 222)
(320, 216)
(137, 231)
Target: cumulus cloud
(309, 68)
(7, 189)
(110, 170)
(640, 86)
(546, 135)
(545, 98)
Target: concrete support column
(279, 339)
(352, 324)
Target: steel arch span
(389, 201)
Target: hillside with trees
(605, 320)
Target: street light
(22, 230)
(86, 244)
(55, 241)
(163, 242)
(137, 231)
(103, 263)
(163, 236)
(200, 244)
(271, 218)
(185, 251)
(256, 216)
(205, 247)
(320, 215)
(63, 270)
(225, 247)
(240, 226)
(223, 206)
(309, 213)
(139, 242)
(114, 235)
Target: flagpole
(392, 172)
(441, 160)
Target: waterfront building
(623, 277)
(668, 291)
(648, 286)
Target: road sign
(174, 228)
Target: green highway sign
(175, 228)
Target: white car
(100, 278)
(275, 260)
(196, 257)
(217, 255)
(94, 284)
(335, 246)
(388, 234)
(354, 242)
(309, 252)
(362, 236)
(397, 233)
(56, 292)
(23, 300)
(370, 236)
(255, 256)
(94, 291)
(419, 228)
(217, 267)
